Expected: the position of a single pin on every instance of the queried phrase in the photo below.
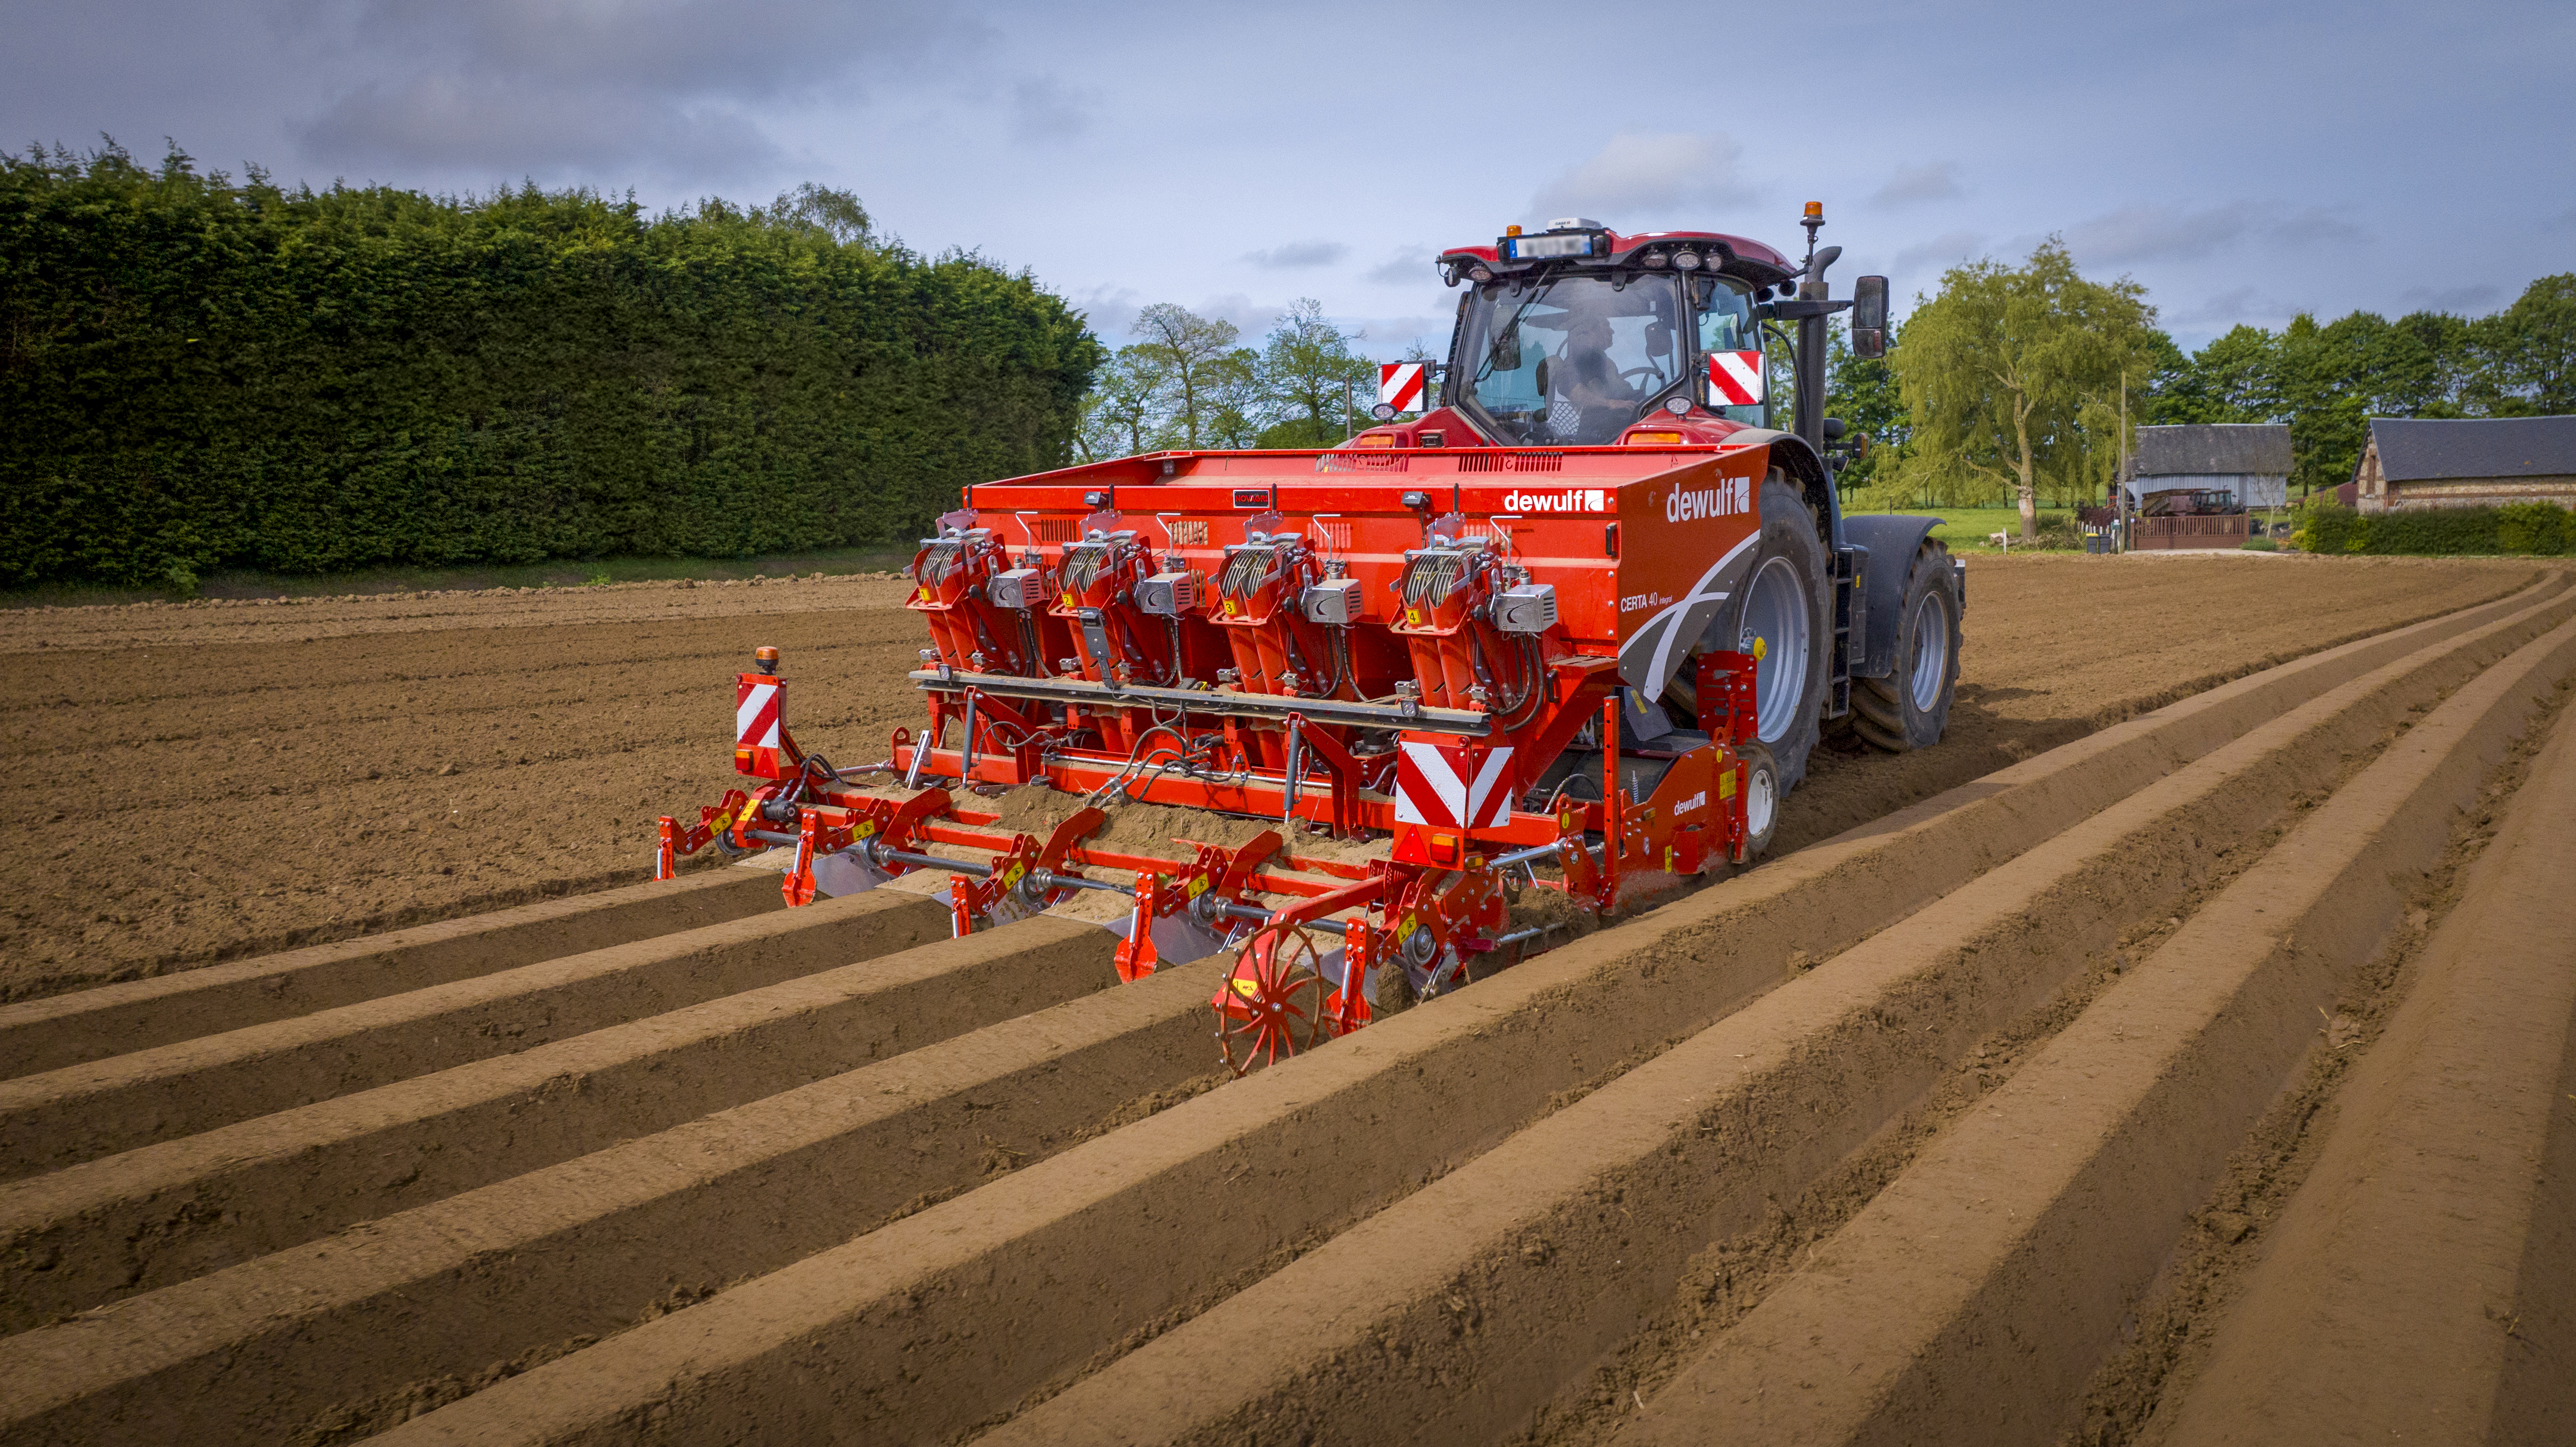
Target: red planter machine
(1418, 643)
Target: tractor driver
(1586, 376)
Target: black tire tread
(1879, 706)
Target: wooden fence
(2224, 530)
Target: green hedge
(2524, 527)
(196, 374)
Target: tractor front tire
(1910, 707)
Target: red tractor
(1586, 613)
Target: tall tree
(1863, 392)
(1191, 351)
(1997, 370)
(2529, 351)
(1121, 414)
(1307, 367)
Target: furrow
(1972, 1298)
(48, 1034)
(80, 1112)
(2432, 1175)
(164, 1213)
(268, 1349)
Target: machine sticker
(1732, 497)
(1573, 499)
(1665, 640)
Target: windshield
(1572, 360)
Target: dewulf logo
(1731, 496)
(1573, 499)
(1695, 801)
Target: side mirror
(1869, 318)
(1834, 429)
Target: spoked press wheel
(1272, 1003)
(1909, 708)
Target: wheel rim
(1271, 1005)
(1931, 643)
(1761, 801)
(1775, 611)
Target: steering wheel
(1648, 374)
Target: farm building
(2249, 461)
(2421, 462)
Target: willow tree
(2004, 368)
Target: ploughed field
(2180, 1051)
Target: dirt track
(1958, 1126)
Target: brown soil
(202, 781)
(1013, 1222)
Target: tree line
(1187, 382)
(2028, 381)
(200, 372)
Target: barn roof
(2429, 449)
(2214, 448)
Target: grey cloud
(2158, 233)
(1931, 181)
(1944, 250)
(2474, 299)
(664, 86)
(2225, 309)
(1298, 254)
(1404, 268)
(743, 48)
(1641, 179)
(2318, 226)
(1254, 319)
(1046, 109)
(439, 120)
(1111, 311)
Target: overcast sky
(2245, 160)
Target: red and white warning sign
(1399, 385)
(1734, 379)
(755, 713)
(1453, 786)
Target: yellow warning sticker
(1413, 616)
(1229, 607)
(1198, 885)
(925, 595)
(1012, 875)
(1726, 785)
(1404, 927)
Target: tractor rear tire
(1788, 584)
(1910, 707)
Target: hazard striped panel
(757, 732)
(755, 714)
(1734, 379)
(1399, 385)
(1453, 786)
